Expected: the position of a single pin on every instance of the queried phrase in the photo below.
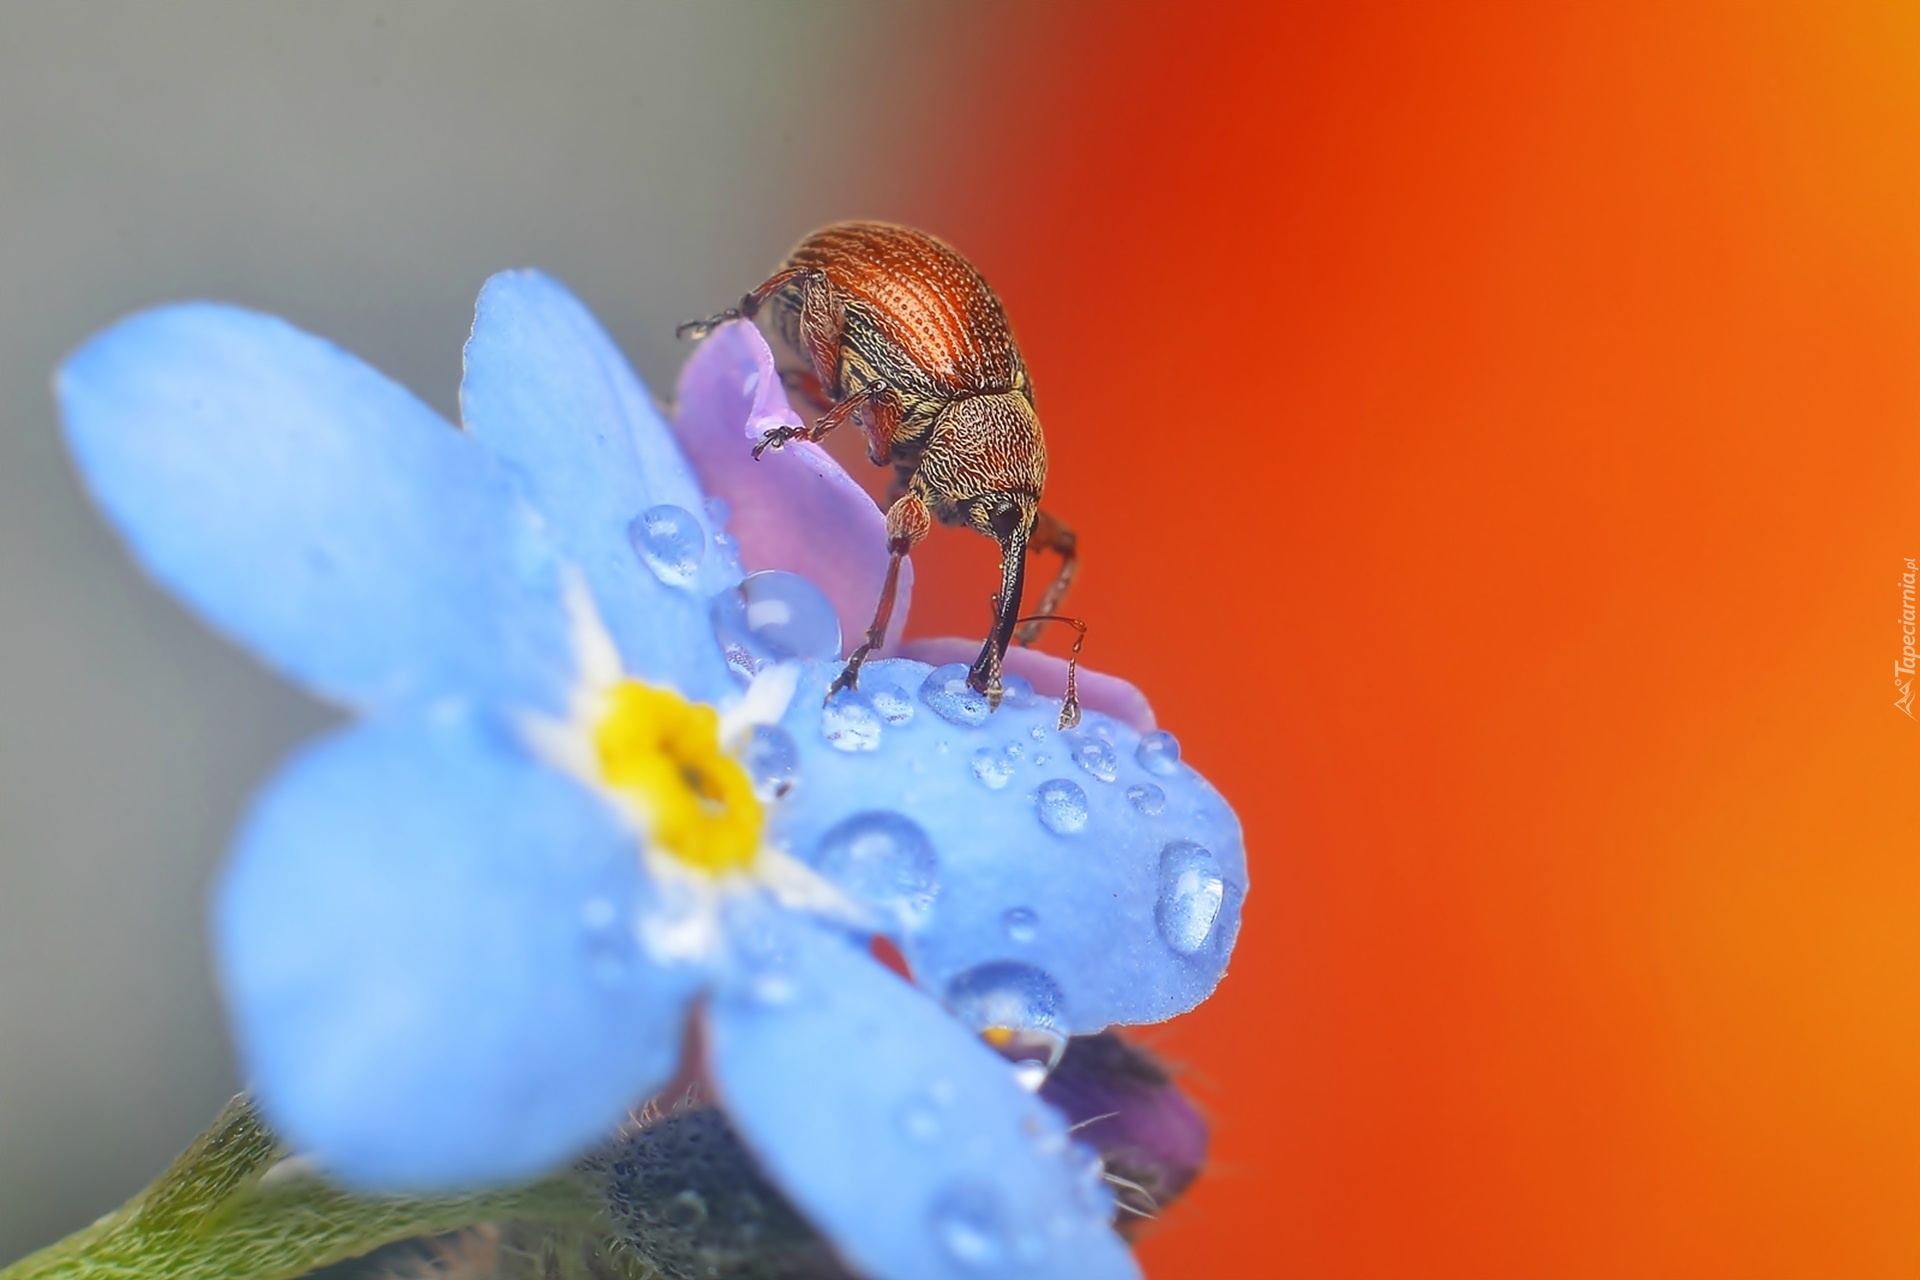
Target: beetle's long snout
(985, 675)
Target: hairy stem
(217, 1215)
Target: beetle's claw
(701, 328)
(849, 677)
(774, 438)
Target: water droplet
(1017, 691)
(891, 701)
(1096, 756)
(1021, 924)
(750, 383)
(920, 1115)
(1062, 805)
(670, 541)
(1158, 752)
(1038, 733)
(1147, 797)
(1006, 995)
(609, 949)
(1190, 894)
(1030, 1074)
(1040, 758)
(993, 766)
(849, 722)
(883, 860)
(970, 1224)
(771, 759)
(771, 987)
(778, 615)
(946, 691)
(719, 512)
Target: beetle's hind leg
(908, 521)
(1050, 533)
(749, 305)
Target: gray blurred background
(360, 169)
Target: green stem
(212, 1216)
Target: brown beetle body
(905, 338)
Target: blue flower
(594, 798)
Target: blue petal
(901, 1137)
(1126, 916)
(550, 394)
(427, 944)
(315, 511)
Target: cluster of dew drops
(886, 860)
(773, 616)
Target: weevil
(905, 338)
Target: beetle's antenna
(1070, 708)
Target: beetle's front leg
(877, 394)
(908, 521)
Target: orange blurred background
(1492, 435)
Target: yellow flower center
(662, 754)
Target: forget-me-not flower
(594, 799)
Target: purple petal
(796, 508)
(1109, 695)
(1123, 1104)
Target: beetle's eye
(1005, 520)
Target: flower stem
(219, 1214)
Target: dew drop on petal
(1008, 996)
(1062, 806)
(1147, 797)
(1017, 691)
(891, 701)
(947, 692)
(772, 761)
(1158, 752)
(1038, 732)
(1095, 755)
(993, 767)
(1030, 1074)
(784, 616)
(670, 541)
(849, 722)
(882, 860)
(1190, 894)
(921, 1116)
(719, 512)
(970, 1225)
(1021, 924)
(609, 949)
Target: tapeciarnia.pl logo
(1903, 665)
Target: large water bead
(776, 616)
(671, 542)
(883, 861)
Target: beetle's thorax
(980, 446)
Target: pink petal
(796, 508)
(1109, 695)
